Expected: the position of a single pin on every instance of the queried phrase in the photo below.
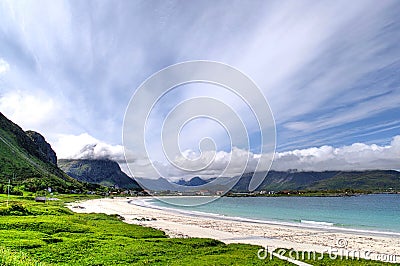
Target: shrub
(15, 208)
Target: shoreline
(305, 224)
(177, 223)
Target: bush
(17, 209)
(16, 191)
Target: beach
(175, 223)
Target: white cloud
(84, 146)
(28, 110)
(357, 112)
(4, 66)
(232, 163)
(358, 156)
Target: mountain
(195, 181)
(28, 160)
(365, 180)
(104, 172)
(373, 180)
(160, 184)
(193, 185)
(293, 180)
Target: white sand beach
(375, 246)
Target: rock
(44, 147)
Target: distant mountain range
(104, 172)
(29, 161)
(373, 180)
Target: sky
(330, 71)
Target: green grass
(52, 235)
(10, 258)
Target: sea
(374, 212)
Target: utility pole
(8, 188)
(8, 191)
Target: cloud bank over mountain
(358, 156)
(85, 146)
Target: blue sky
(329, 69)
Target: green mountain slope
(372, 180)
(365, 180)
(294, 180)
(104, 172)
(24, 162)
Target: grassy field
(49, 234)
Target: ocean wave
(316, 223)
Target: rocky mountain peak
(44, 147)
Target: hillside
(28, 160)
(104, 172)
(373, 180)
(289, 180)
(366, 180)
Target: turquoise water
(378, 212)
